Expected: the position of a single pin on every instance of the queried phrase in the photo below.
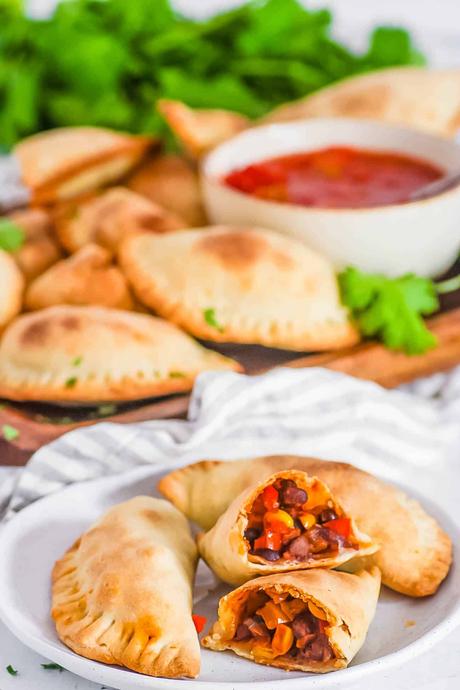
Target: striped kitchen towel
(306, 411)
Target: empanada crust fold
(94, 354)
(225, 549)
(415, 552)
(123, 593)
(223, 295)
(62, 163)
(348, 600)
(12, 288)
(393, 95)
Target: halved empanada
(92, 354)
(288, 521)
(241, 285)
(172, 182)
(199, 131)
(40, 249)
(397, 96)
(415, 553)
(86, 277)
(65, 162)
(108, 217)
(12, 287)
(314, 620)
(123, 593)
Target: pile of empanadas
(305, 541)
(116, 227)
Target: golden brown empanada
(397, 95)
(288, 521)
(40, 249)
(242, 285)
(108, 217)
(199, 131)
(92, 354)
(122, 594)
(66, 162)
(172, 182)
(415, 553)
(310, 620)
(11, 290)
(86, 277)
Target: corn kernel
(307, 520)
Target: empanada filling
(280, 625)
(285, 523)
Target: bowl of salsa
(344, 187)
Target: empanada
(310, 620)
(398, 96)
(93, 354)
(241, 285)
(108, 217)
(289, 521)
(122, 594)
(11, 288)
(62, 163)
(199, 131)
(86, 277)
(415, 553)
(40, 249)
(171, 181)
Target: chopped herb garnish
(77, 361)
(52, 667)
(11, 235)
(177, 375)
(211, 320)
(9, 432)
(106, 410)
(12, 671)
(71, 382)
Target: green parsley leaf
(9, 432)
(52, 667)
(71, 382)
(124, 56)
(77, 361)
(391, 309)
(210, 318)
(12, 671)
(11, 235)
(106, 410)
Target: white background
(436, 24)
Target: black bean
(326, 515)
(293, 496)
(242, 632)
(252, 533)
(268, 554)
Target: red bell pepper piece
(200, 622)
(270, 498)
(260, 543)
(341, 526)
(273, 540)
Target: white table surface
(437, 26)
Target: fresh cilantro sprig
(392, 309)
(106, 63)
(11, 235)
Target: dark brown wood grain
(369, 361)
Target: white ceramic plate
(33, 540)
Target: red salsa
(336, 177)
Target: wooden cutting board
(39, 424)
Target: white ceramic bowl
(421, 237)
